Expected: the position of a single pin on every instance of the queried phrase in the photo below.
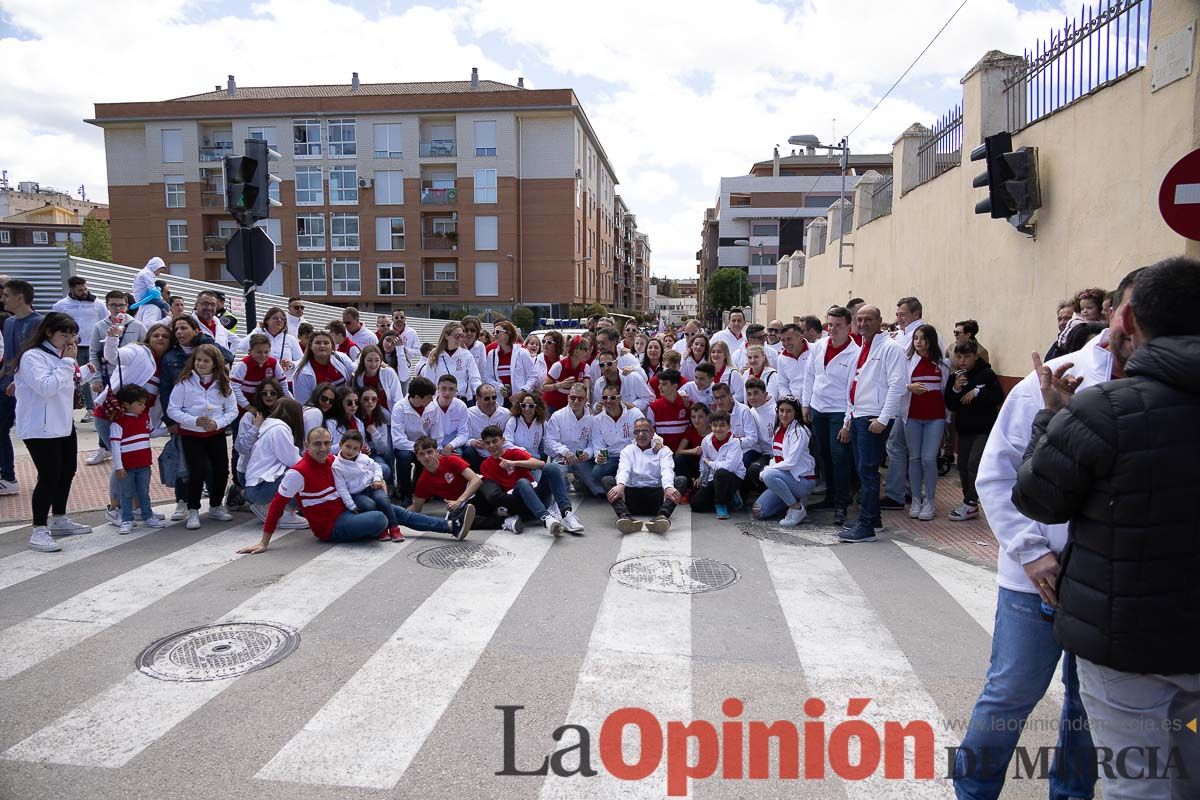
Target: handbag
(111, 407)
(172, 467)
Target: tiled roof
(344, 90)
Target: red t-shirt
(492, 471)
(504, 367)
(931, 404)
(777, 447)
(862, 359)
(447, 483)
(327, 373)
(693, 436)
(671, 420)
(556, 399)
(832, 352)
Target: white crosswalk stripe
(121, 722)
(357, 738)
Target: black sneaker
(460, 523)
(888, 504)
(824, 505)
(839, 516)
(854, 523)
(859, 533)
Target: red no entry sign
(1179, 197)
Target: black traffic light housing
(1011, 180)
(248, 183)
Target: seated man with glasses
(612, 429)
(645, 483)
(568, 439)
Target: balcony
(438, 197)
(439, 241)
(215, 244)
(215, 153)
(434, 288)
(212, 200)
(439, 148)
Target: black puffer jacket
(1122, 464)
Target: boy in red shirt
(450, 478)
(508, 484)
(131, 457)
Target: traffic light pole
(247, 284)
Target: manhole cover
(464, 555)
(674, 574)
(214, 652)
(819, 531)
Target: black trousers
(55, 461)
(970, 450)
(755, 463)
(202, 454)
(644, 500)
(719, 491)
(687, 466)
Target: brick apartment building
(431, 197)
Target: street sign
(253, 262)
(1179, 197)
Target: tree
(524, 319)
(727, 288)
(97, 241)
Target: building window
(272, 190)
(312, 276)
(579, 192)
(347, 278)
(342, 143)
(310, 231)
(485, 138)
(265, 134)
(310, 191)
(764, 229)
(485, 186)
(343, 230)
(172, 146)
(5, 237)
(445, 271)
(180, 270)
(763, 259)
(389, 233)
(388, 140)
(306, 138)
(389, 187)
(60, 237)
(391, 280)
(176, 236)
(486, 283)
(343, 185)
(41, 237)
(486, 234)
(175, 192)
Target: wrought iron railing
(1103, 44)
(942, 150)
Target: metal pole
(842, 217)
(247, 283)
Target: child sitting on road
(359, 482)
(130, 442)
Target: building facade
(31, 195)
(431, 197)
(41, 227)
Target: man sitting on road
(645, 483)
(569, 438)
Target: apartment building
(31, 195)
(432, 197)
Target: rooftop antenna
(82, 192)
(4, 180)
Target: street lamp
(761, 247)
(843, 147)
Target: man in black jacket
(1119, 462)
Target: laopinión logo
(740, 748)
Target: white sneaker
(113, 515)
(554, 526)
(572, 523)
(964, 512)
(193, 520)
(793, 517)
(260, 510)
(42, 540)
(87, 417)
(914, 509)
(125, 527)
(513, 525)
(927, 512)
(65, 526)
(154, 521)
(219, 513)
(10, 487)
(181, 511)
(292, 521)
(99, 457)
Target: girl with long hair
(377, 425)
(320, 403)
(552, 347)
(44, 387)
(508, 366)
(373, 372)
(395, 356)
(757, 367)
(321, 364)
(718, 354)
(791, 475)
(923, 414)
(697, 354)
(526, 423)
(203, 405)
(262, 405)
(652, 358)
(570, 369)
(278, 448)
(343, 416)
(450, 357)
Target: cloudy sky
(681, 92)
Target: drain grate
(464, 555)
(674, 574)
(216, 652)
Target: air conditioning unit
(365, 183)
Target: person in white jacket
(645, 483)
(374, 373)
(44, 387)
(792, 363)
(409, 339)
(526, 424)
(359, 483)
(508, 366)
(791, 475)
(823, 400)
(285, 347)
(721, 469)
(635, 393)
(87, 310)
(486, 411)
(569, 439)
(413, 417)
(448, 357)
(456, 428)
(321, 363)
(203, 405)
(612, 429)
(275, 451)
(873, 403)
(144, 282)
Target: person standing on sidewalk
(974, 397)
(116, 305)
(876, 386)
(897, 489)
(18, 301)
(645, 483)
(823, 403)
(1118, 463)
(86, 309)
(44, 394)
(923, 413)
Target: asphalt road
(393, 688)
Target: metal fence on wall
(942, 150)
(1106, 42)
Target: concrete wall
(1101, 160)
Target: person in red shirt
(508, 484)
(131, 457)
(450, 478)
(687, 457)
(310, 481)
(572, 368)
(669, 412)
(925, 420)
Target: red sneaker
(396, 534)
(386, 536)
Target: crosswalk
(395, 686)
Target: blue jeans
(924, 441)
(586, 472)
(8, 418)
(602, 471)
(1024, 657)
(834, 456)
(85, 388)
(375, 500)
(551, 486)
(868, 455)
(103, 431)
(897, 474)
(384, 464)
(352, 527)
(261, 494)
(782, 491)
(135, 484)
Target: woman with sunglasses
(343, 416)
(262, 405)
(317, 409)
(526, 424)
(697, 354)
(321, 364)
(509, 366)
(377, 422)
(550, 351)
(450, 357)
(569, 370)
(372, 372)
(472, 328)
(285, 347)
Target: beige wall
(1101, 162)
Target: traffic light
(1011, 180)
(248, 183)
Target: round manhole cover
(214, 652)
(464, 555)
(674, 574)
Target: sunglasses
(298, 308)
(269, 393)
(349, 402)
(325, 399)
(774, 330)
(528, 405)
(483, 398)
(576, 398)
(610, 397)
